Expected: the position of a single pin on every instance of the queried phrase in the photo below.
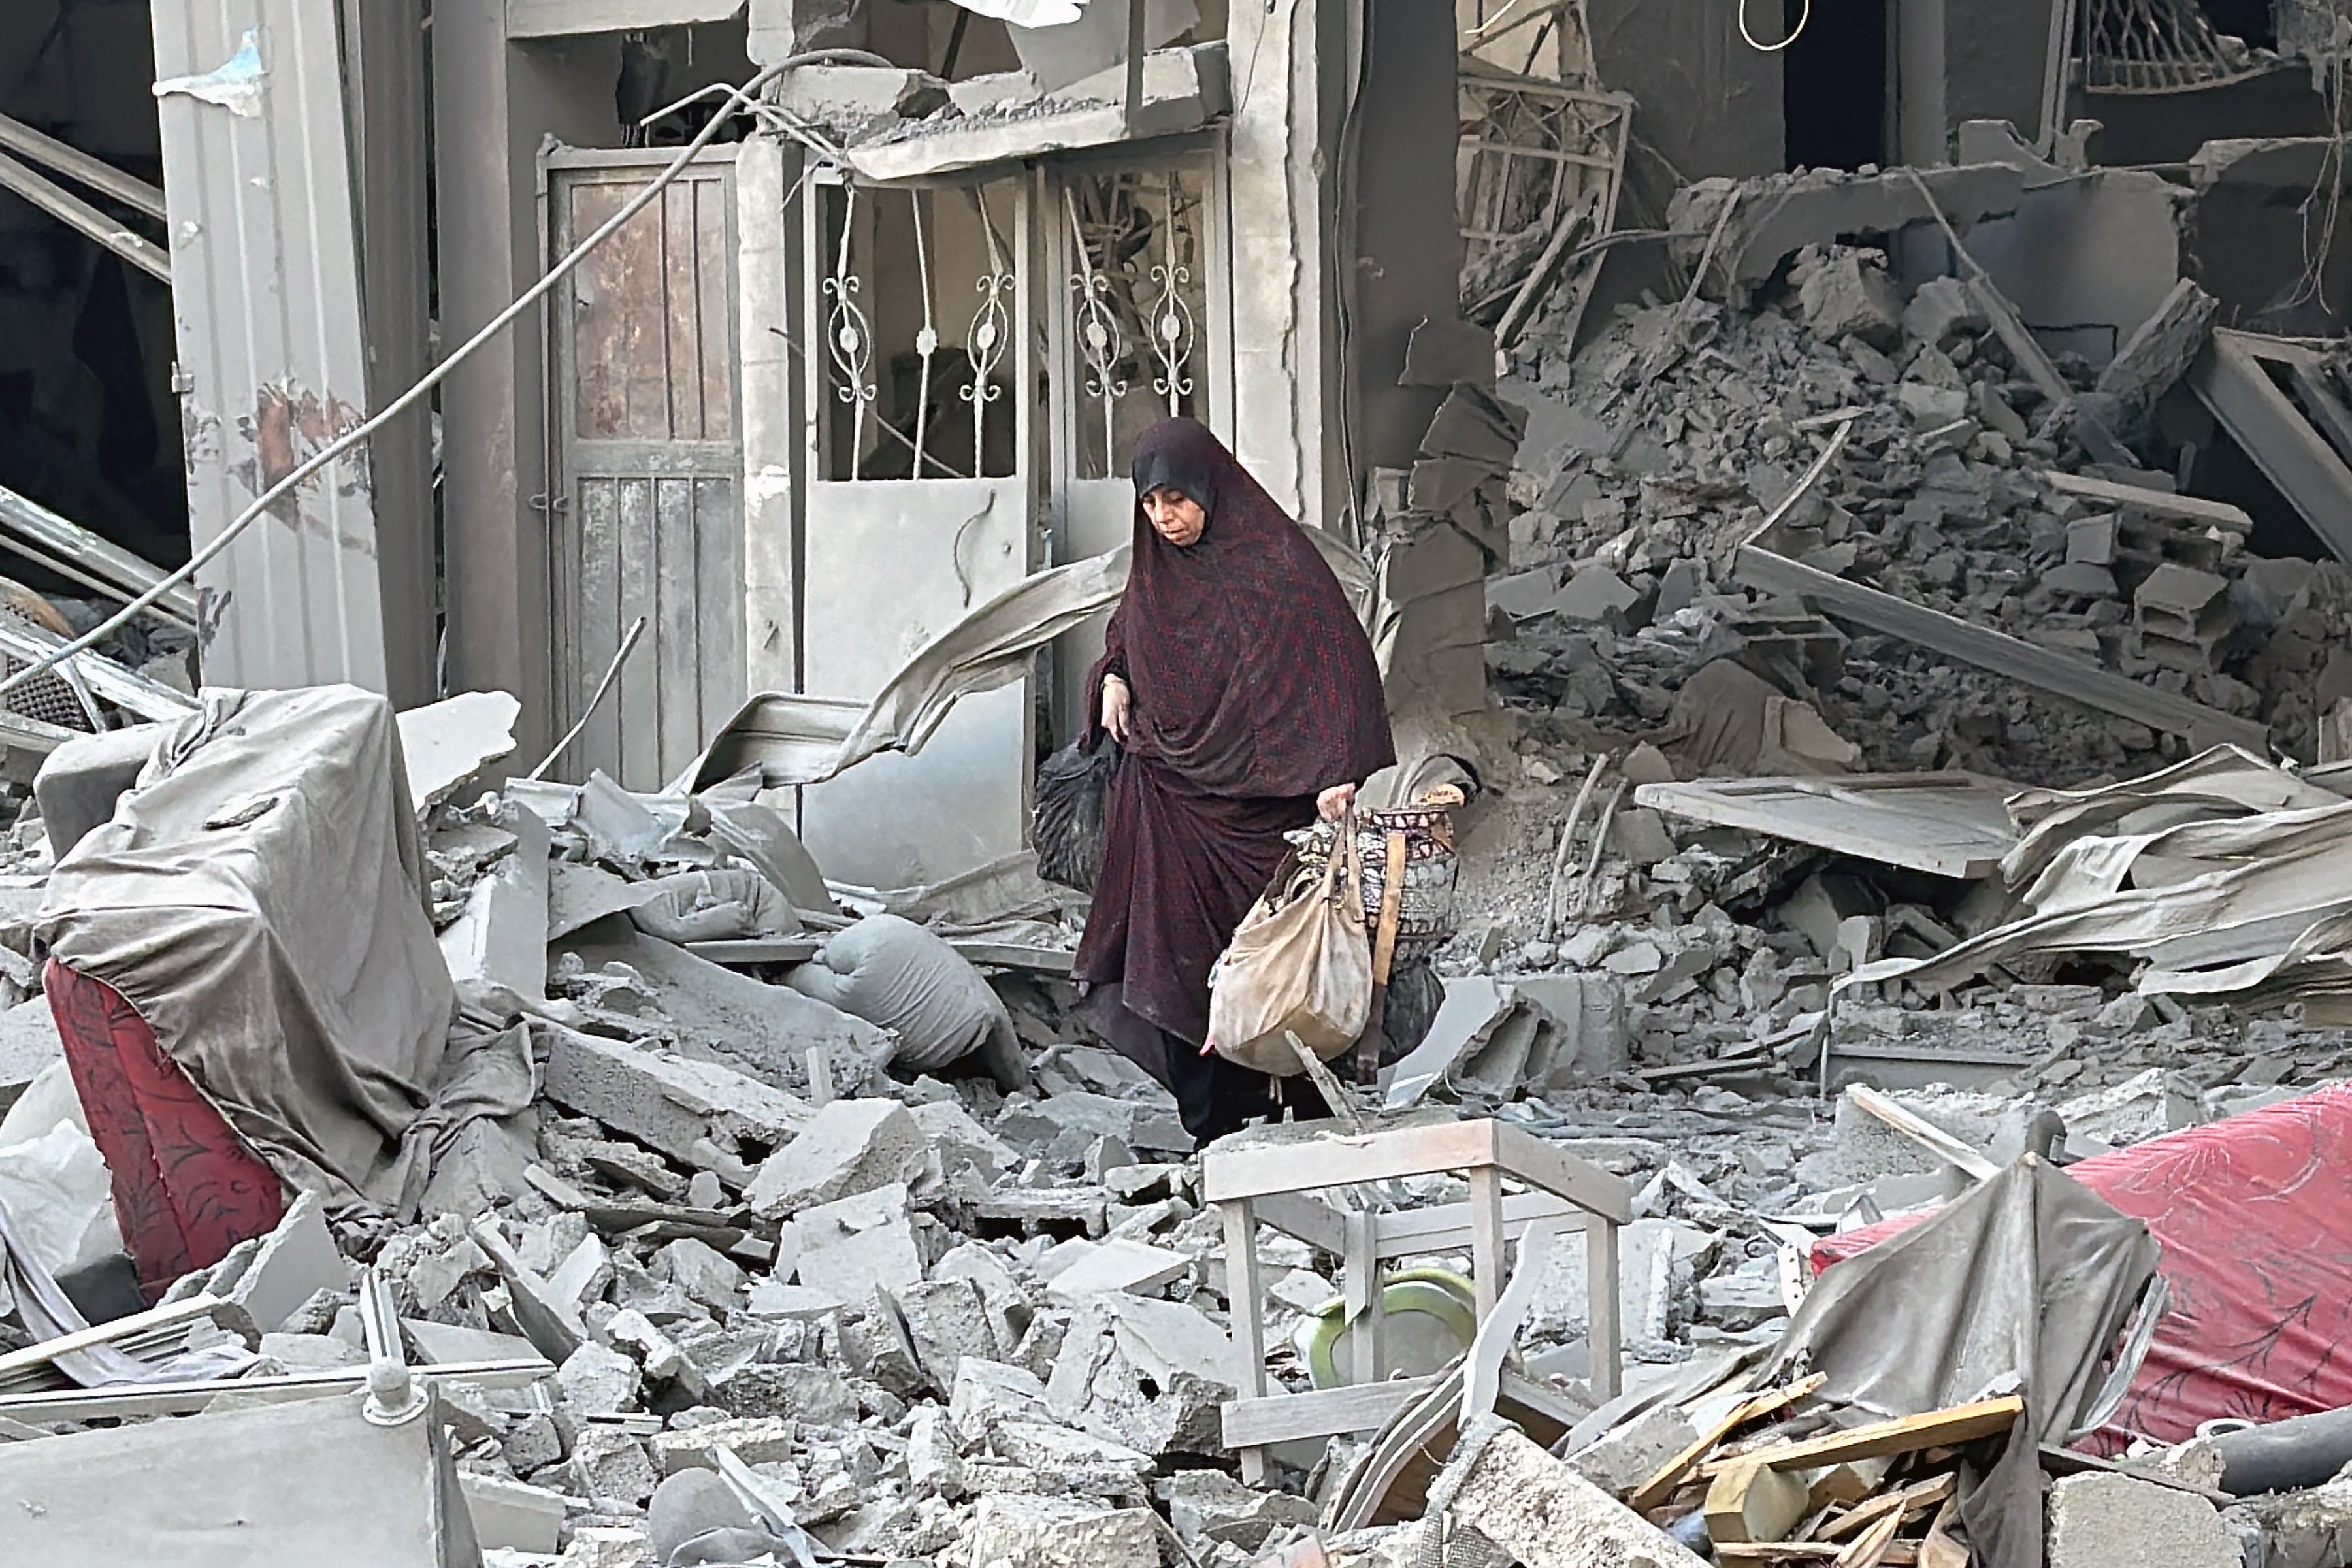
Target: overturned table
(1273, 1182)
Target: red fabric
(2254, 1215)
(186, 1188)
(1254, 689)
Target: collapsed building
(1861, 500)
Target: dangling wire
(1795, 33)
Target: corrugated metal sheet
(273, 360)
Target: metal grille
(1537, 172)
(2157, 45)
(49, 697)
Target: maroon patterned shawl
(1254, 689)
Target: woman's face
(1175, 516)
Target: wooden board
(1949, 824)
(1935, 1429)
(1660, 1486)
(2191, 509)
(1998, 651)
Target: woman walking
(1246, 696)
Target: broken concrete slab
(769, 1030)
(2147, 1105)
(1781, 214)
(1118, 1264)
(297, 1260)
(1148, 1374)
(755, 1440)
(1633, 1451)
(856, 1244)
(497, 948)
(446, 743)
(670, 1103)
(1209, 1508)
(1540, 1511)
(2108, 1520)
(1063, 1532)
(848, 1147)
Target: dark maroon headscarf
(1253, 678)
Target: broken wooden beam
(1998, 651)
(2233, 380)
(1947, 1428)
(2164, 503)
(1660, 1486)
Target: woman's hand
(1333, 803)
(1117, 701)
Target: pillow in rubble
(893, 973)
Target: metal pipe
(74, 213)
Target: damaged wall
(1704, 100)
(492, 105)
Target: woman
(1246, 699)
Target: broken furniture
(2299, 442)
(1273, 1181)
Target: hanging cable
(1795, 33)
(367, 428)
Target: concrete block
(497, 949)
(1649, 1252)
(607, 1546)
(1841, 295)
(690, 1503)
(817, 1395)
(669, 1103)
(958, 1141)
(851, 1247)
(848, 1147)
(2119, 1521)
(988, 1392)
(1072, 1463)
(702, 1273)
(598, 1381)
(933, 1464)
(445, 743)
(1118, 1264)
(1061, 1532)
(1541, 1511)
(297, 1262)
(1940, 310)
(947, 1322)
(1592, 595)
(1148, 1374)
(510, 1515)
(756, 1440)
(2138, 1108)
(1631, 1454)
(1209, 1508)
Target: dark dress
(1254, 689)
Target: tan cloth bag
(1301, 962)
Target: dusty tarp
(2025, 1285)
(259, 897)
(2229, 877)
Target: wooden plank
(636, 698)
(1870, 1550)
(1605, 1370)
(1655, 1491)
(178, 1315)
(1998, 651)
(2191, 509)
(2230, 380)
(1933, 1429)
(1486, 1237)
(1412, 1233)
(1902, 1504)
(1367, 1407)
(1335, 1159)
(1937, 1141)
(1949, 824)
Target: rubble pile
(1656, 450)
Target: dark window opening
(1834, 83)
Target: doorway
(1833, 83)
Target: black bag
(1073, 792)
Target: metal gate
(918, 355)
(646, 514)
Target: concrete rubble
(1903, 749)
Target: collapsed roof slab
(1780, 215)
